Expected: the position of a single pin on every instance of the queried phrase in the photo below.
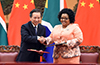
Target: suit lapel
(31, 28)
(39, 29)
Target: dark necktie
(35, 30)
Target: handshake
(45, 41)
(42, 40)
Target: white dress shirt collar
(34, 25)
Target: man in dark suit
(31, 33)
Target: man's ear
(30, 18)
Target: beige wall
(70, 4)
(7, 18)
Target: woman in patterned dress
(69, 33)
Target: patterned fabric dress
(72, 36)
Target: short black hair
(70, 13)
(35, 10)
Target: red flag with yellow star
(88, 17)
(19, 15)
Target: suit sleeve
(43, 47)
(26, 37)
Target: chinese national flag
(19, 15)
(88, 17)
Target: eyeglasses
(64, 18)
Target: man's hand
(42, 40)
(40, 52)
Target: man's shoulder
(26, 24)
(41, 25)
